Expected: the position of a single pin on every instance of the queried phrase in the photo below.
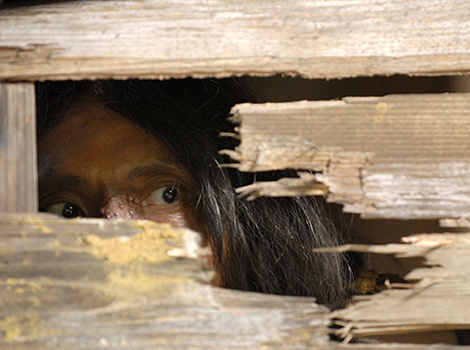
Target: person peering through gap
(150, 150)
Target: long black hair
(263, 245)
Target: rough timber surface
(94, 284)
(437, 300)
(219, 38)
(398, 156)
(18, 184)
(79, 284)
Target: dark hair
(263, 245)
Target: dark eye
(67, 210)
(165, 195)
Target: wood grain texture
(439, 299)
(398, 156)
(18, 179)
(62, 289)
(217, 38)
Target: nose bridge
(121, 207)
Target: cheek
(123, 207)
(172, 216)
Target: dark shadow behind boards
(285, 89)
(20, 3)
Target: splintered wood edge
(118, 242)
(399, 250)
(355, 148)
(285, 187)
(423, 245)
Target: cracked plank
(398, 156)
(95, 283)
(58, 292)
(438, 301)
(165, 39)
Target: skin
(96, 163)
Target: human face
(96, 163)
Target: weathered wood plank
(92, 284)
(162, 39)
(62, 288)
(18, 179)
(439, 299)
(398, 156)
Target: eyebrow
(63, 181)
(155, 169)
(54, 183)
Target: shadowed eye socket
(66, 209)
(163, 195)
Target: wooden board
(93, 284)
(18, 179)
(218, 38)
(438, 299)
(398, 156)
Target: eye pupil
(170, 195)
(70, 211)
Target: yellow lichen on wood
(28, 324)
(137, 282)
(149, 246)
(11, 327)
(22, 285)
(35, 221)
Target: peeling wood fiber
(439, 301)
(216, 38)
(398, 156)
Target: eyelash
(165, 195)
(152, 193)
(66, 209)
(160, 184)
(56, 203)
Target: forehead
(93, 135)
(90, 118)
